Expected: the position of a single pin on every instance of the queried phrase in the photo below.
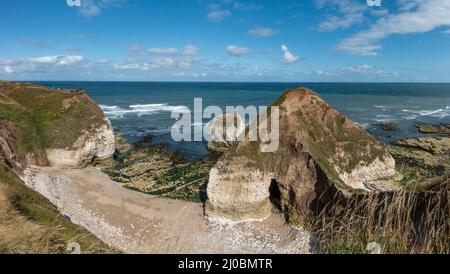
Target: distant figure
(77, 91)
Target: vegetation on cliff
(413, 219)
(320, 177)
(401, 222)
(318, 147)
(29, 223)
(407, 214)
(32, 120)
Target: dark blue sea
(141, 108)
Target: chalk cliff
(319, 149)
(47, 127)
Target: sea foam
(115, 112)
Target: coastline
(135, 222)
(160, 216)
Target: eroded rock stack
(319, 149)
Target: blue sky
(226, 40)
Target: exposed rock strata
(422, 157)
(434, 129)
(319, 149)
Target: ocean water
(141, 108)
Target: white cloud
(191, 50)
(103, 61)
(379, 12)
(163, 51)
(288, 57)
(7, 69)
(237, 51)
(325, 73)
(350, 12)
(91, 8)
(58, 60)
(201, 74)
(246, 6)
(37, 43)
(135, 48)
(368, 69)
(364, 70)
(159, 59)
(39, 64)
(218, 15)
(263, 32)
(163, 63)
(414, 17)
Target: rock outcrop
(434, 129)
(95, 145)
(157, 170)
(388, 126)
(319, 149)
(422, 157)
(46, 127)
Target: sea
(139, 109)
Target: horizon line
(231, 82)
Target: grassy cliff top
(34, 117)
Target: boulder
(319, 149)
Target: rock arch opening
(275, 194)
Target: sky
(226, 40)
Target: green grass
(37, 209)
(33, 119)
(43, 120)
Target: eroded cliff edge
(319, 149)
(47, 127)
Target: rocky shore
(423, 161)
(156, 170)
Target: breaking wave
(115, 112)
(438, 113)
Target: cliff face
(46, 127)
(319, 149)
